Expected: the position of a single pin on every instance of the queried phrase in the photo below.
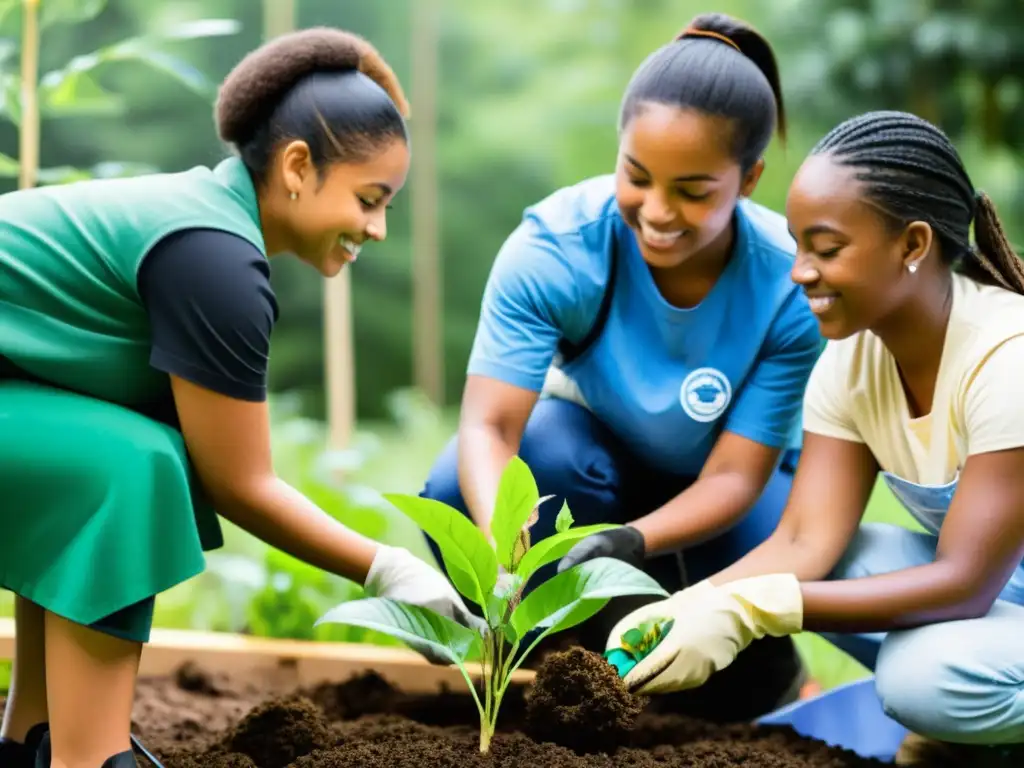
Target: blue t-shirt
(665, 380)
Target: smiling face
(677, 184)
(852, 260)
(336, 211)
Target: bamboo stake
(28, 136)
(278, 17)
(427, 317)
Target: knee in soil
(280, 731)
(578, 701)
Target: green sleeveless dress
(99, 506)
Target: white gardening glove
(711, 625)
(399, 575)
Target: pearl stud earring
(294, 195)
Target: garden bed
(196, 719)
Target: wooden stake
(278, 17)
(427, 316)
(28, 137)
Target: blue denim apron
(929, 504)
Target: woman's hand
(711, 625)
(625, 544)
(397, 574)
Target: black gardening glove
(625, 543)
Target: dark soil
(576, 716)
(579, 702)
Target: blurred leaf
(72, 90)
(67, 92)
(9, 167)
(10, 96)
(68, 11)
(50, 12)
(191, 30)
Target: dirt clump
(579, 701)
(279, 731)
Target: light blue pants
(957, 681)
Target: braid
(914, 173)
(1005, 265)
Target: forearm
(905, 598)
(483, 454)
(779, 553)
(274, 512)
(710, 506)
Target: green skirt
(99, 507)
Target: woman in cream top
(920, 381)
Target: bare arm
(981, 542)
(491, 424)
(731, 481)
(228, 441)
(831, 488)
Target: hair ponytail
(720, 66)
(752, 44)
(993, 254)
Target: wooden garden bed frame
(286, 662)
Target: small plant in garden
(493, 576)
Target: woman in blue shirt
(641, 345)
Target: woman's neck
(915, 335)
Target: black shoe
(17, 754)
(121, 760)
(43, 756)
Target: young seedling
(493, 575)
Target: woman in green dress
(135, 318)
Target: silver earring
(912, 268)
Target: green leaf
(517, 498)
(50, 12)
(141, 51)
(9, 166)
(414, 625)
(68, 11)
(575, 595)
(564, 520)
(555, 547)
(68, 92)
(468, 557)
(73, 89)
(10, 96)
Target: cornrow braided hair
(912, 172)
